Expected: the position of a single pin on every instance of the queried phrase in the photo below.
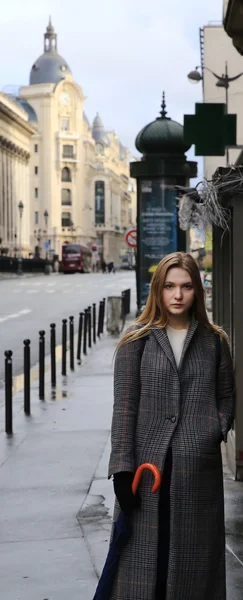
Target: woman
(174, 404)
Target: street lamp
(46, 215)
(71, 224)
(21, 208)
(222, 81)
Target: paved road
(31, 304)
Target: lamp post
(72, 228)
(222, 81)
(46, 215)
(21, 208)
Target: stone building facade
(15, 151)
(212, 38)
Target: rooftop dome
(22, 103)
(162, 137)
(50, 67)
(98, 131)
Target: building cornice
(13, 149)
(12, 115)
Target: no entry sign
(131, 238)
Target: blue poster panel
(157, 227)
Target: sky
(122, 53)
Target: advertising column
(157, 228)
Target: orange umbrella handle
(138, 475)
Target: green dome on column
(162, 137)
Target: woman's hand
(123, 490)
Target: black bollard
(42, 365)
(128, 301)
(71, 342)
(99, 319)
(53, 354)
(64, 347)
(85, 331)
(124, 313)
(103, 316)
(80, 331)
(94, 323)
(27, 377)
(90, 327)
(8, 392)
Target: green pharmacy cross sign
(211, 129)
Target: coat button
(173, 419)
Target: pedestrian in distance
(173, 406)
(111, 267)
(103, 266)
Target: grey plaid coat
(157, 405)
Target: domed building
(98, 132)
(50, 67)
(73, 165)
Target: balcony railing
(67, 135)
(68, 157)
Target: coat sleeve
(226, 390)
(125, 408)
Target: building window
(99, 166)
(36, 193)
(99, 202)
(36, 170)
(36, 218)
(65, 125)
(66, 219)
(66, 174)
(36, 147)
(68, 151)
(66, 197)
(99, 148)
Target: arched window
(66, 219)
(99, 202)
(66, 197)
(66, 174)
(99, 148)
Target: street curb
(96, 513)
(20, 277)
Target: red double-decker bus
(76, 258)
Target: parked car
(125, 264)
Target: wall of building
(15, 151)
(218, 49)
(91, 163)
(55, 106)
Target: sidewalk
(55, 500)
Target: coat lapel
(189, 336)
(162, 338)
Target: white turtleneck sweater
(177, 339)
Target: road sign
(131, 238)
(47, 244)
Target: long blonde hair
(155, 313)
